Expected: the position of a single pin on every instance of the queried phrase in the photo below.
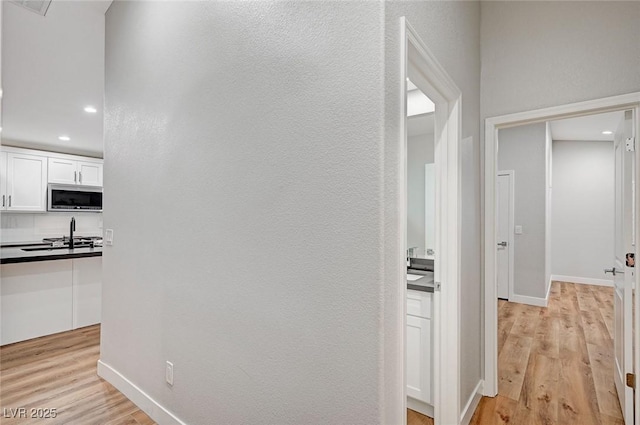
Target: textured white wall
(451, 30)
(522, 149)
(254, 132)
(538, 54)
(583, 196)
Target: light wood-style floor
(555, 364)
(59, 372)
(555, 368)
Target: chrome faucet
(411, 252)
(72, 228)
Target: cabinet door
(87, 291)
(419, 363)
(35, 299)
(89, 173)
(3, 180)
(62, 171)
(26, 182)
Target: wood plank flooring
(555, 368)
(555, 364)
(59, 372)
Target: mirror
(420, 174)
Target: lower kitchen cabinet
(87, 291)
(419, 352)
(35, 299)
(45, 297)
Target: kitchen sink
(50, 248)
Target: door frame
(492, 125)
(420, 65)
(512, 221)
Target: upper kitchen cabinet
(24, 187)
(84, 172)
(3, 180)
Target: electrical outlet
(168, 373)
(518, 230)
(108, 237)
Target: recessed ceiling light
(64, 138)
(90, 109)
(607, 132)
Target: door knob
(613, 271)
(502, 244)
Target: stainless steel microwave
(71, 197)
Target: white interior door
(504, 234)
(623, 275)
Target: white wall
(419, 152)
(583, 196)
(26, 227)
(308, 192)
(523, 149)
(451, 31)
(538, 54)
(253, 131)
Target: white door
(623, 277)
(504, 233)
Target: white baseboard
(420, 407)
(523, 299)
(472, 404)
(582, 280)
(141, 399)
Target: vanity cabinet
(66, 170)
(419, 351)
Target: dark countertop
(423, 288)
(424, 284)
(15, 254)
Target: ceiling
(52, 68)
(417, 102)
(587, 128)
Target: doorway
(420, 66)
(626, 102)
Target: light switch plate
(518, 230)
(108, 237)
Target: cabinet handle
(9, 200)
(80, 179)
(3, 201)
(75, 177)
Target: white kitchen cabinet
(66, 170)
(45, 297)
(35, 299)
(3, 181)
(87, 291)
(419, 351)
(26, 182)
